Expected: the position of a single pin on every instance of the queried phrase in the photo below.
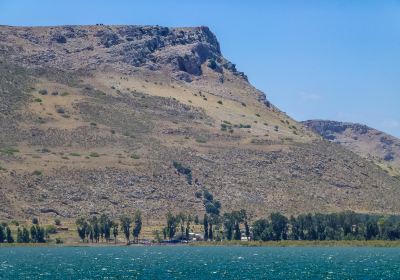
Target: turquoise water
(182, 262)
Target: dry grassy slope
(107, 140)
(375, 145)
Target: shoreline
(285, 243)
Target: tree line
(36, 233)
(335, 226)
(94, 229)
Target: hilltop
(109, 119)
(370, 143)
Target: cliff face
(361, 139)
(179, 50)
(97, 119)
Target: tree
(205, 224)
(196, 220)
(279, 226)
(126, 226)
(40, 234)
(172, 223)
(9, 237)
(261, 230)
(137, 225)
(23, 235)
(2, 234)
(247, 229)
(187, 230)
(114, 226)
(33, 233)
(229, 224)
(238, 234)
(82, 227)
(105, 227)
(371, 230)
(182, 218)
(95, 234)
(35, 221)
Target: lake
(183, 262)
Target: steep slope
(365, 141)
(113, 118)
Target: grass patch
(201, 140)
(10, 151)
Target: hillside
(375, 145)
(93, 119)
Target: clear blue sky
(336, 60)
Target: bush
(51, 229)
(60, 110)
(212, 64)
(94, 154)
(64, 93)
(184, 170)
(57, 222)
(198, 194)
(134, 156)
(38, 100)
(220, 102)
(43, 91)
(35, 221)
(37, 173)
(201, 140)
(54, 93)
(59, 241)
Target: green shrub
(38, 100)
(51, 229)
(134, 156)
(201, 140)
(43, 91)
(184, 170)
(37, 173)
(219, 102)
(57, 222)
(212, 64)
(94, 154)
(64, 93)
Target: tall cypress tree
(2, 234)
(9, 237)
(205, 224)
(137, 225)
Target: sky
(336, 60)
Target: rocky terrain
(375, 145)
(98, 119)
